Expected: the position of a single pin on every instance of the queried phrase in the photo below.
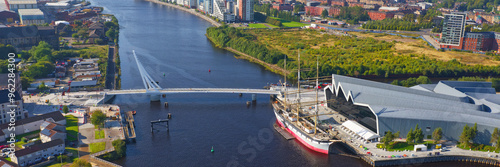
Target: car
(3, 146)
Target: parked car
(3, 146)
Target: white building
(51, 131)
(36, 153)
(30, 124)
(31, 16)
(5, 113)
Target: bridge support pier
(154, 97)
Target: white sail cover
(360, 130)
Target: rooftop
(15, 2)
(26, 12)
(38, 147)
(4, 96)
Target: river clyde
(172, 42)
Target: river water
(172, 42)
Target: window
(428, 129)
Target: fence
(95, 156)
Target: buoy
(163, 74)
(209, 70)
(212, 149)
(169, 116)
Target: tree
(120, 148)
(437, 134)
(465, 136)
(42, 51)
(410, 136)
(494, 137)
(324, 14)
(388, 137)
(65, 109)
(98, 118)
(419, 134)
(111, 33)
(80, 163)
(42, 86)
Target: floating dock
(129, 126)
(283, 133)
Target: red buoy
(209, 70)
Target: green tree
(437, 134)
(423, 80)
(42, 86)
(465, 137)
(410, 137)
(80, 163)
(111, 34)
(494, 136)
(387, 138)
(42, 51)
(419, 134)
(324, 14)
(98, 118)
(120, 148)
(65, 109)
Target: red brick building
(477, 42)
(317, 10)
(281, 7)
(376, 15)
(338, 3)
(354, 4)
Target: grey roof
(38, 147)
(393, 101)
(45, 132)
(424, 87)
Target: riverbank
(192, 11)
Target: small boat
(133, 112)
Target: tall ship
(302, 122)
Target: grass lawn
(96, 147)
(257, 25)
(401, 146)
(71, 127)
(290, 23)
(99, 134)
(70, 159)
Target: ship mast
(284, 86)
(317, 87)
(298, 86)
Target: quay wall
(420, 160)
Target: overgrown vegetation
(412, 81)
(396, 24)
(341, 55)
(120, 151)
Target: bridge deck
(192, 90)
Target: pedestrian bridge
(155, 91)
(193, 90)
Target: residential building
(15, 5)
(208, 6)
(7, 163)
(378, 15)
(35, 153)
(23, 38)
(50, 131)
(30, 124)
(282, 7)
(338, 3)
(453, 30)
(7, 16)
(31, 16)
(6, 111)
(245, 8)
(4, 83)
